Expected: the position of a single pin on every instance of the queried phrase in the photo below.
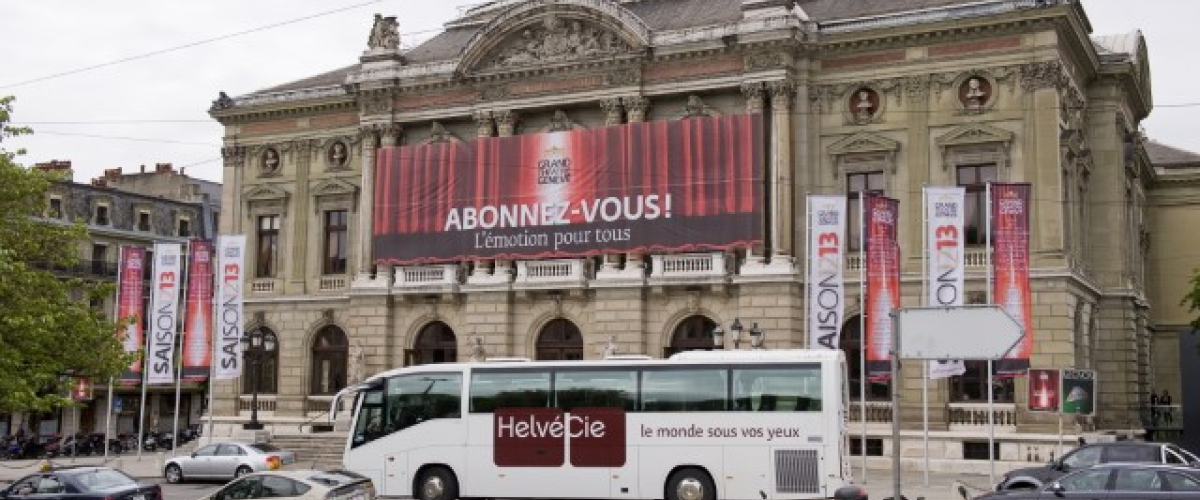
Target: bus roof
(727, 356)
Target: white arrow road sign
(965, 332)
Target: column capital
(612, 110)
(782, 92)
(755, 93)
(636, 106)
(484, 123)
(233, 156)
(506, 122)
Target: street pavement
(942, 485)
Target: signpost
(977, 332)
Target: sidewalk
(148, 467)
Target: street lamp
(756, 337)
(718, 337)
(736, 328)
(255, 347)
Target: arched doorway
(851, 343)
(560, 339)
(435, 344)
(692, 334)
(329, 352)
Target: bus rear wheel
(437, 483)
(690, 484)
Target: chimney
(161, 168)
(61, 167)
(112, 173)
(100, 182)
(181, 170)
(143, 169)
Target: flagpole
(862, 333)
(117, 319)
(212, 337)
(808, 223)
(991, 403)
(142, 403)
(925, 298)
(178, 353)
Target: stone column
(635, 110)
(300, 251)
(506, 125)
(370, 142)
(755, 94)
(484, 269)
(612, 116)
(780, 172)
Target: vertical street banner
(685, 185)
(164, 313)
(826, 282)
(129, 308)
(1010, 268)
(230, 281)
(197, 319)
(944, 207)
(880, 218)
(1079, 392)
(1044, 390)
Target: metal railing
(98, 268)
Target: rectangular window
(143, 221)
(978, 450)
(99, 259)
(335, 242)
(874, 447)
(101, 217)
(268, 245)
(185, 228)
(793, 388)
(509, 389)
(972, 385)
(595, 389)
(55, 211)
(689, 389)
(856, 185)
(975, 178)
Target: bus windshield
(405, 401)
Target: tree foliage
(49, 332)
(1192, 299)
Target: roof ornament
(385, 34)
(223, 102)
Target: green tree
(1192, 299)
(49, 331)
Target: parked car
(300, 484)
(81, 483)
(1115, 481)
(226, 460)
(1034, 478)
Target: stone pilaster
(370, 142)
(506, 122)
(484, 269)
(300, 255)
(636, 108)
(779, 173)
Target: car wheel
(173, 474)
(690, 484)
(242, 471)
(436, 483)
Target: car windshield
(264, 447)
(101, 479)
(335, 478)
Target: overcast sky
(153, 108)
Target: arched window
(560, 339)
(693, 334)
(435, 344)
(329, 352)
(851, 343)
(264, 365)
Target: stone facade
(911, 94)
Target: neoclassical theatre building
(406, 208)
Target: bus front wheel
(437, 483)
(690, 484)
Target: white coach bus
(752, 425)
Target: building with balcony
(851, 96)
(117, 214)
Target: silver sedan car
(226, 460)
(298, 484)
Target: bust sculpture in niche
(864, 105)
(975, 94)
(270, 160)
(337, 154)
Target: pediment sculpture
(556, 40)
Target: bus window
(595, 389)
(777, 388)
(369, 422)
(691, 389)
(509, 389)
(412, 399)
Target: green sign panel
(1079, 392)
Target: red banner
(1010, 266)
(197, 320)
(1044, 390)
(883, 281)
(684, 185)
(129, 308)
(81, 389)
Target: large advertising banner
(684, 185)
(944, 275)
(1010, 268)
(826, 281)
(883, 281)
(129, 308)
(230, 279)
(164, 313)
(197, 319)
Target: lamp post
(255, 346)
(718, 338)
(736, 328)
(756, 337)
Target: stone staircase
(318, 451)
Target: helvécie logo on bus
(538, 437)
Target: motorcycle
(165, 440)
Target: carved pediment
(864, 142)
(334, 190)
(265, 192)
(974, 133)
(554, 39)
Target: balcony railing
(332, 283)
(688, 265)
(420, 276)
(976, 414)
(552, 271)
(264, 286)
(93, 268)
(878, 412)
(265, 403)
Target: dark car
(1115, 482)
(1091, 454)
(80, 483)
